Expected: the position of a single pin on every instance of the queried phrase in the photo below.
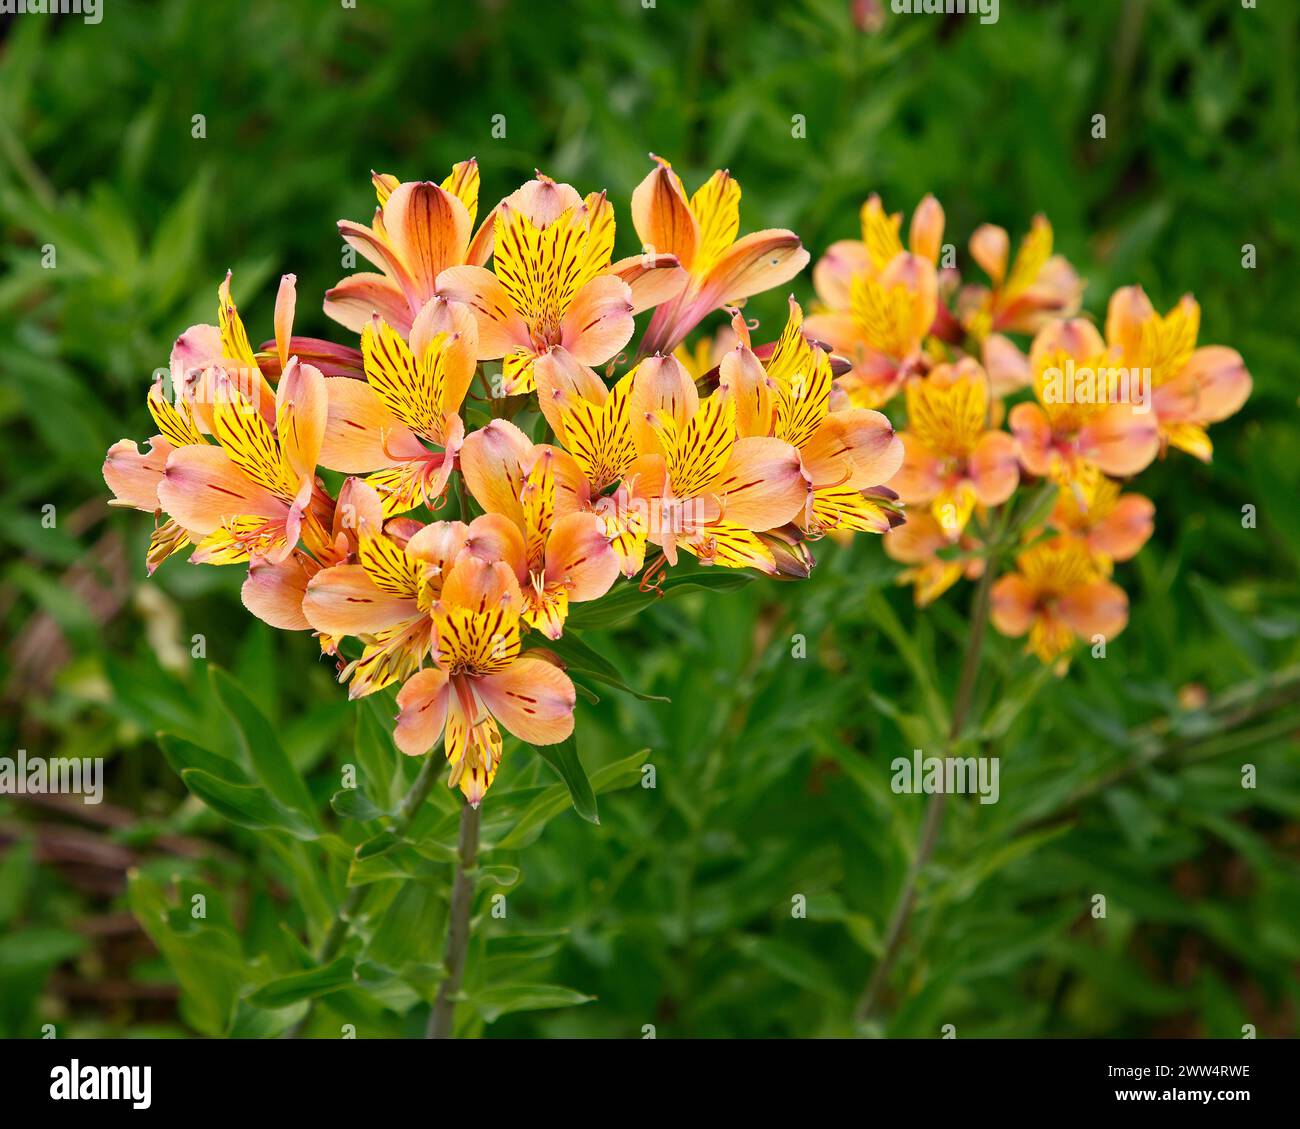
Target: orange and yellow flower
(741, 455)
(419, 230)
(1190, 387)
(879, 301)
(481, 682)
(551, 284)
(953, 461)
(701, 233)
(1057, 595)
(848, 455)
(918, 543)
(401, 423)
(1074, 426)
(559, 552)
(254, 492)
(1113, 525)
(1038, 287)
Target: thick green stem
(338, 930)
(442, 1017)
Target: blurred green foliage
(771, 772)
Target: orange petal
(274, 592)
(1100, 608)
(754, 263)
(1074, 338)
(925, 237)
(1123, 531)
(660, 386)
(429, 228)
(458, 353)
(662, 216)
(302, 408)
(744, 379)
(1012, 605)
(994, 468)
(361, 433)
(354, 300)
(532, 698)
(561, 380)
(543, 200)
(990, 246)
(194, 350)
(494, 537)
(343, 600)
(481, 587)
(492, 460)
(1033, 433)
(1220, 380)
(919, 479)
(422, 705)
(1121, 440)
(377, 249)
(202, 489)
(833, 275)
(599, 322)
(652, 279)
(438, 544)
(579, 557)
(1006, 365)
(286, 299)
(134, 477)
(358, 507)
(1128, 308)
(500, 328)
(763, 484)
(840, 331)
(858, 440)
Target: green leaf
(564, 759)
(352, 803)
(377, 756)
(205, 957)
(246, 805)
(793, 963)
(624, 601)
(620, 774)
(17, 869)
(492, 1003)
(33, 952)
(498, 875)
(579, 657)
(402, 864)
(386, 840)
(411, 927)
(298, 986)
(262, 747)
(182, 754)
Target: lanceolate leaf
(298, 986)
(564, 759)
(263, 749)
(626, 600)
(581, 658)
(247, 806)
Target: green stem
(442, 1017)
(929, 834)
(1269, 699)
(338, 930)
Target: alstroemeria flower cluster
(1069, 409)
(431, 495)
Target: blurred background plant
(681, 909)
